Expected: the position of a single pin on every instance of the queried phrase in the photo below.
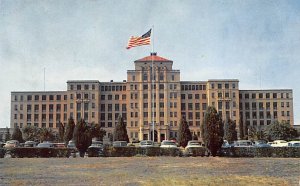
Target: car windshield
(44, 145)
(146, 143)
(169, 143)
(194, 143)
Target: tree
(120, 131)
(230, 133)
(195, 137)
(212, 130)
(31, 133)
(7, 135)
(281, 130)
(46, 134)
(241, 129)
(17, 135)
(61, 132)
(184, 133)
(82, 137)
(256, 134)
(69, 129)
(97, 131)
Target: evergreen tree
(230, 133)
(241, 129)
(97, 131)
(17, 135)
(195, 137)
(120, 131)
(213, 130)
(61, 132)
(31, 133)
(184, 133)
(46, 134)
(257, 134)
(69, 129)
(7, 135)
(281, 130)
(82, 137)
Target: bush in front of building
(2, 152)
(32, 152)
(277, 152)
(196, 151)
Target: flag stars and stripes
(145, 39)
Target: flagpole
(152, 96)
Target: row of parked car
(261, 143)
(45, 144)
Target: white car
(279, 143)
(168, 144)
(146, 143)
(192, 144)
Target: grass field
(150, 171)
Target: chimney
(153, 53)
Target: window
(36, 97)
(203, 96)
(220, 105)
(102, 97)
(253, 96)
(190, 96)
(133, 78)
(212, 86)
(161, 86)
(161, 76)
(190, 106)
(274, 95)
(145, 77)
(29, 98)
(254, 106)
(204, 105)
(197, 106)
(197, 96)
(246, 96)
(117, 107)
(260, 95)
(233, 85)
(182, 96)
(268, 95)
(109, 97)
(219, 86)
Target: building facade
(151, 95)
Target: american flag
(138, 41)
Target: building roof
(153, 57)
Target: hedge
(2, 152)
(280, 152)
(135, 151)
(32, 152)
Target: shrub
(281, 152)
(31, 152)
(2, 152)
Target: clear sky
(257, 42)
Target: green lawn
(150, 171)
